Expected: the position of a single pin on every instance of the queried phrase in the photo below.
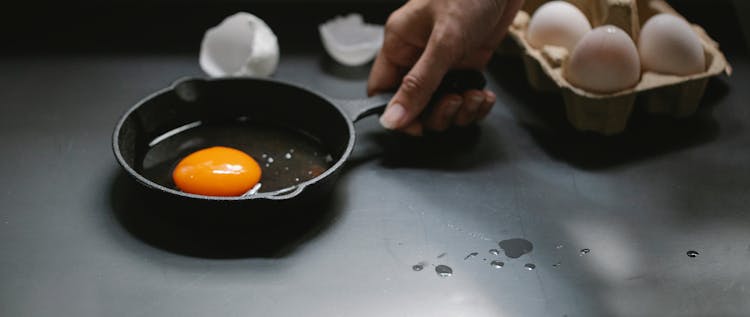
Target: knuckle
(412, 84)
(390, 25)
(447, 37)
(394, 21)
(450, 40)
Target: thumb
(420, 83)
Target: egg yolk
(217, 171)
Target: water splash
(470, 255)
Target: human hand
(423, 40)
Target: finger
(473, 99)
(400, 50)
(443, 113)
(420, 83)
(509, 14)
(478, 58)
(384, 75)
(486, 106)
(398, 53)
(414, 129)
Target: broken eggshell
(351, 41)
(241, 45)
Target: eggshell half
(241, 45)
(351, 41)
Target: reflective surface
(79, 238)
(286, 157)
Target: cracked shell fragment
(351, 41)
(241, 45)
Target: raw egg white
(604, 61)
(668, 45)
(557, 23)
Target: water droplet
(470, 255)
(441, 255)
(494, 251)
(264, 155)
(443, 270)
(296, 179)
(556, 265)
(417, 267)
(497, 264)
(267, 165)
(585, 251)
(692, 253)
(529, 266)
(515, 248)
(270, 160)
(309, 172)
(329, 158)
(288, 156)
(291, 150)
(559, 246)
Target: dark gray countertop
(639, 202)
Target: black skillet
(326, 120)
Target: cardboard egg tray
(608, 114)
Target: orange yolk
(217, 171)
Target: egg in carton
(608, 113)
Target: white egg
(604, 61)
(241, 45)
(669, 45)
(351, 41)
(557, 23)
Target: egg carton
(608, 114)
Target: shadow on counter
(543, 116)
(458, 148)
(216, 231)
(331, 67)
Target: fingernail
(477, 97)
(453, 105)
(392, 116)
(474, 101)
(491, 97)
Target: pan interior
(293, 134)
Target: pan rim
(281, 194)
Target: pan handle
(455, 81)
